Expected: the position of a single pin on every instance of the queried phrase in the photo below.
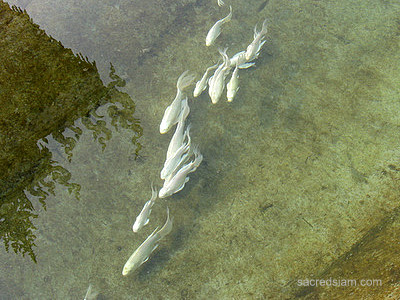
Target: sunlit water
(291, 176)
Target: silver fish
(240, 60)
(173, 162)
(198, 158)
(215, 31)
(217, 81)
(171, 114)
(143, 218)
(233, 85)
(258, 40)
(202, 83)
(177, 181)
(179, 134)
(142, 253)
(90, 294)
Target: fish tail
(185, 110)
(185, 80)
(264, 28)
(225, 57)
(154, 192)
(229, 16)
(187, 131)
(167, 226)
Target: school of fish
(183, 157)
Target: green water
(296, 169)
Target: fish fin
(264, 27)
(260, 46)
(246, 65)
(209, 80)
(183, 185)
(147, 222)
(153, 192)
(238, 54)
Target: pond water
(292, 174)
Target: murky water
(295, 169)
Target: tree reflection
(44, 89)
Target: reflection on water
(32, 85)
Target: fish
(176, 182)
(175, 160)
(262, 6)
(197, 160)
(233, 85)
(90, 294)
(217, 81)
(202, 83)
(255, 47)
(171, 113)
(215, 31)
(180, 134)
(143, 218)
(240, 60)
(143, 252)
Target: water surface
(295, 170)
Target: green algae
(44, 89)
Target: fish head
(215, 94)
(163, 193)
(164, 127)
(136, 227)
(132, 264)
(249, 52)
(125, 271)
(214, 100)
(165, 124)
(129, 268)
(197, 90)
